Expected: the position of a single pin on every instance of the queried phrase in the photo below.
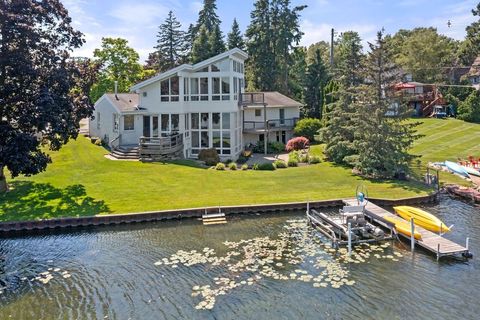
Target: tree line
(44, 91)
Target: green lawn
(81, 182)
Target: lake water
(255, 267)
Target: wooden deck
(430, 241)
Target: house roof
(475, 69)
(275, 99)
(124, 102)
(188, 67)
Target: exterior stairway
(125, 153)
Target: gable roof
(233, 52)
(125, 102)
(475, 68)
(275, 99)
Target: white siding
(103, 129)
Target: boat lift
(349, 227)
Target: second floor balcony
(271, 125)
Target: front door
(282, 116)
(146, 126)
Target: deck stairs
(214, 218)
(125, 152)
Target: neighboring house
(422, 98)
(192, 107)
(474, 73)
(281, 112)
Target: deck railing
(252, 98)
(271, 124)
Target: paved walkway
(269, 158)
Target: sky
(138, 20)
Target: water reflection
(279, 270)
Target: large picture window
(129, 122)
(194, 88)
(203, 89)
(169, 90)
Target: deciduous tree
(119, 63)
(41, 90)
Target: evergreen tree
(208, 42)
(235, 38)
(170, 43)
(315, 80)
(382, 137)
(338, 132)
(261, 73)
(200, 47)
(286, 34)
(207, 17)
(297, 70)
(215, 42)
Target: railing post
(349, 238)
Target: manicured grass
(447, 139)
(81, 182)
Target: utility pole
(331, 47)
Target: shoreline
(15, 227)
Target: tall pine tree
(315, 80)
(338, 132)
(208, 42)
(201, 46)
(382, 137)
(235, 38)
(261, 73)
(170, 43)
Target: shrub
(220, 166)
(275, 147)
(209, 156)
(266, 166)
(232, 166)
(304, 158)
(308, 128)
(292, 162)
(469, 109)
(245, 167)
(228, 161)
(255, 166)
(280, 164)
(298, 143)
(98, 142)
(242, 159)
(272, 147)
(314, 159)
(294, 155)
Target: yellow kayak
(403, 227)
(422, 218)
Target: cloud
(139, 14)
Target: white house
(196, 106)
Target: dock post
(308, 206)
(438, 251)
(412, 234)
(467, 242)
(349, 238)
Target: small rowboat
(472, 171)
(403, 227)
(422, 218)
(456, 168)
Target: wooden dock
(431, 241)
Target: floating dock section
(430, 241)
